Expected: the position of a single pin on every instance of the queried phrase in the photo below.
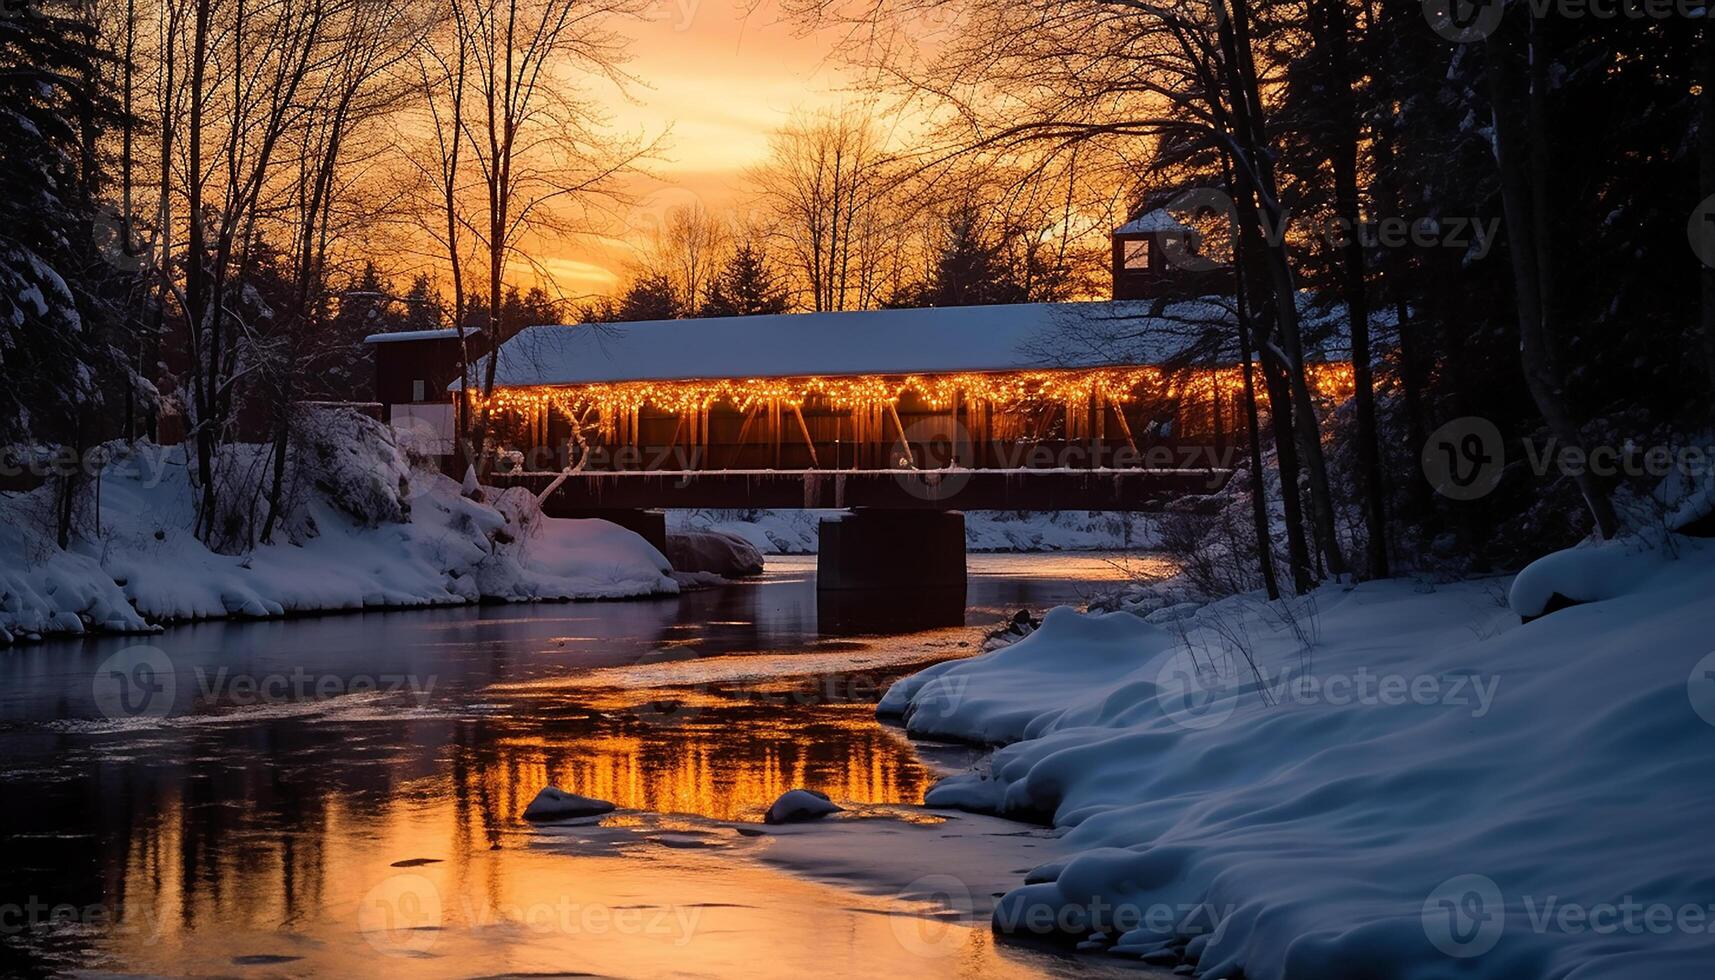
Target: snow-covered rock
(798, 805)
(1588, 573)
(553, 803)
(1407, 783)
(45, 590)
(724, 554)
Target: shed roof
(1150, 221)
(399, 336)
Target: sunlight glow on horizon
(716, 77)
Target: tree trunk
(1245, 250)
(1342, 143)
(1259, 489)
(1705, 190)
(1261, 209)
(1515, 131)
(1249, 264)
(277, 482)
(197, 312)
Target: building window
(1137, 254)
(419, 390)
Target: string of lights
(998, 392)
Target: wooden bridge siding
(771, 443)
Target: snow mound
(45, 590)
(1408, 783)
(541, 557)
(356, 464)
(999, 697)
(799, 805)
(1590, 572)
(372, 532)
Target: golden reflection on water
(698, 754)
(266, 837)
(291, 872)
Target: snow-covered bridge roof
(940, 340)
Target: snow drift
(364, 529)
(1408, 783)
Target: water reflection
(855, 612)
(246, 833)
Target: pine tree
(971, 269)
(56, 329)
(746, 286)
(650, 297)
(424, 308)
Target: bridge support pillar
(651, 525)
(891, 549)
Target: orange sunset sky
(718, 76)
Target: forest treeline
(208, 203)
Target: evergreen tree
(57, 331)
(532, 308)
(746, 286)
(424, 308)
(971, 268)
(649, 297)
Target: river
(340, 795)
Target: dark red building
(1156, 257)
(413, 370)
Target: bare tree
(358, 86)
(686, 249)
(826, 181)
(537, 145)
(247, 66)
(443, 70)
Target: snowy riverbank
(365, 530)
(1407, 783)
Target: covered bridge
(907, 414)
(1059, 387)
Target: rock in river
(724, 554)
(554, 803)
(796, 805)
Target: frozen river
(341, 794)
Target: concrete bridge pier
(899, 569)
(891, 549)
